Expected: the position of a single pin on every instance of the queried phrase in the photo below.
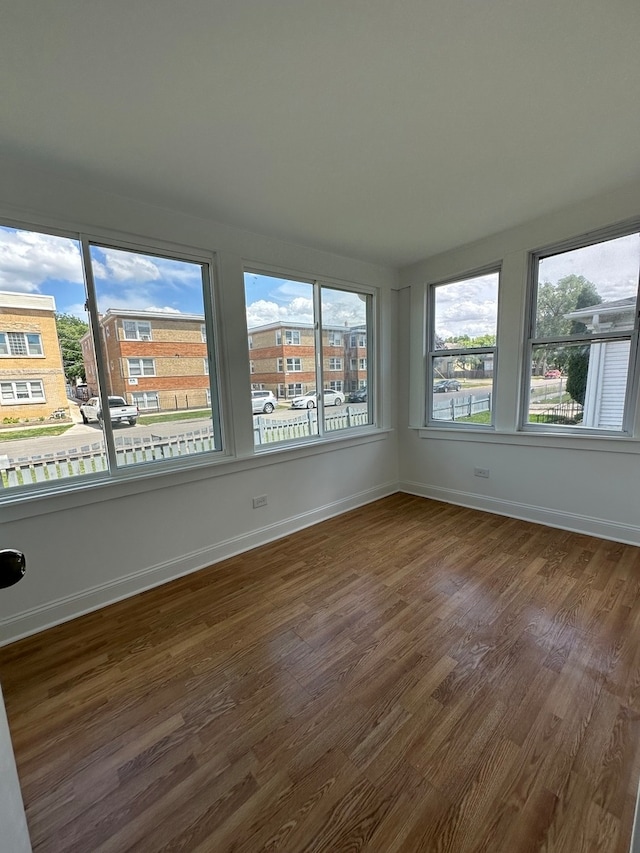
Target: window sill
(599, 443)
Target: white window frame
(22, 401)
(294, 365)
(292, 337)
(6, 337)
(335, 363)
(280, 365)
(294, 389)
(434, 353)
(632, 336)
(362, 364)
(143, 404)
(141, 366)
(138, 333)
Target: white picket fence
(461, 407)
(91, 458)
(267, 430)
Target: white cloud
(28, 259)
(126, 266)
(165, 310)
(263, 311)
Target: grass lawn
(174, 416)
(478, 418)
(33, 432)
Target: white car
(308, 401)
(263, 401)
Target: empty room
(320, 426)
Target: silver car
(263, 401)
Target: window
(203, 333)
(136, 330)
(205, 366)
(362, 364)
(19, 391)
(462, 350)
(146, 400)
(252, 367)
(79, 324)
(583, 329)
(316, 309)
(141, 366)
(250, 339)
(20, 344)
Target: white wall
(86, 549)
(583, 483)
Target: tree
(555, 301)
(70, 330)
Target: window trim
(22, 401)
(575, 243)
(431, 352)
(8, 354)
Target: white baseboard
(61, 610)
(602, 528)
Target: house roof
(383, 131)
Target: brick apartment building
(155, 360)
(282, 358)
(32, 381)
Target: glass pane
(466, 313)
(281, 341)
(158, 361)
(345, 347)
(45, 331)
(589, 290)
(462, 388)
(579, 384)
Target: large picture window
(583, 331)
(102, 349)
(331, 329)
(462, 351)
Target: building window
(136, 330)
(581, 358)
(462, 350)
(21, 391)
(362, 364)
(351, 308)
(205, 366)
(145, 400)
(141, 366)
(252, 367)
(281, 389)
(250, 339)
(20, 344)
(203, 333)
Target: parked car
(446, 385)
(308, 401)
(553, 374)
(119, 410)
(359, 396)
(263, 401)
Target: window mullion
(100, 358)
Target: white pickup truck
(119, 410)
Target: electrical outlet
(261, 500)
(481, 472)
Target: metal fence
(461, 407)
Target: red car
(552, 374)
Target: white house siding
(606, 385)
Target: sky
(33, 262)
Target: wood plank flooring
(410, 676)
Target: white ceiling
(387, 130)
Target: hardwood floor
(410, 676)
